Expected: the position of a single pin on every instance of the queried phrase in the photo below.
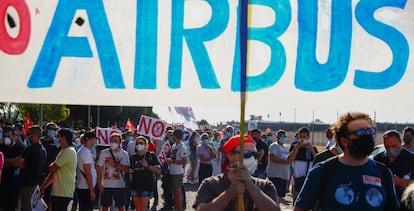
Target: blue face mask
(129, 138)
(51, 133)
(206, 141)
(283, 139)
(269, 138)
(228, 134)
(393, 152)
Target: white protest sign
(151, 127)
(37, 202)
(104, 135)
(186, 136)
(165, 151)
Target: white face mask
(7, 141)
(251, 164)
(140, 147)
(305, 141)
(114, 146)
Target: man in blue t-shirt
(398, 159)
(30, 163)
(356, 182)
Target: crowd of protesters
(70, 168)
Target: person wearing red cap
(221, 192)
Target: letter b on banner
(154, 128)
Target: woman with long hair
(143, 165)
(193, 143)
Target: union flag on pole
(130, 125)
(27, 123)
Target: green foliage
(8, 113)
(74, 116)
(203, 122)
(55, 113)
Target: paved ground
(191, 191)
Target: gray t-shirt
(279, 170)
(212, 187)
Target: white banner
(104, 135)
(349, 53)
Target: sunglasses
(363, 131)
(246, 153)
(140, 143)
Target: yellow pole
(244, 55)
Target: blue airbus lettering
(310, 74)
(267, 35)
(58, 44)
(145, 75)
(195, 39)
(364, 13)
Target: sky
(218, 114)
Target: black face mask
(361, 147)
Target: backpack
(330, 168)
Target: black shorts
(116, 194)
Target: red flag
(27, 123)
(129, 125)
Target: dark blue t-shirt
(402, 166)
(349, 188)
(35, 158)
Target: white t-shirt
(112, 178)
(179, 152)
(84, 157)
(279, 170)
(301, 168)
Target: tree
(203, 122)
(108, 115)
(55, 113)
(9, 112)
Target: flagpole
(243, 69)
(172, 115)
(244, 16)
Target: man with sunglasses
(278, 169)
(350, 181)
(221, 192)
(398, 159)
